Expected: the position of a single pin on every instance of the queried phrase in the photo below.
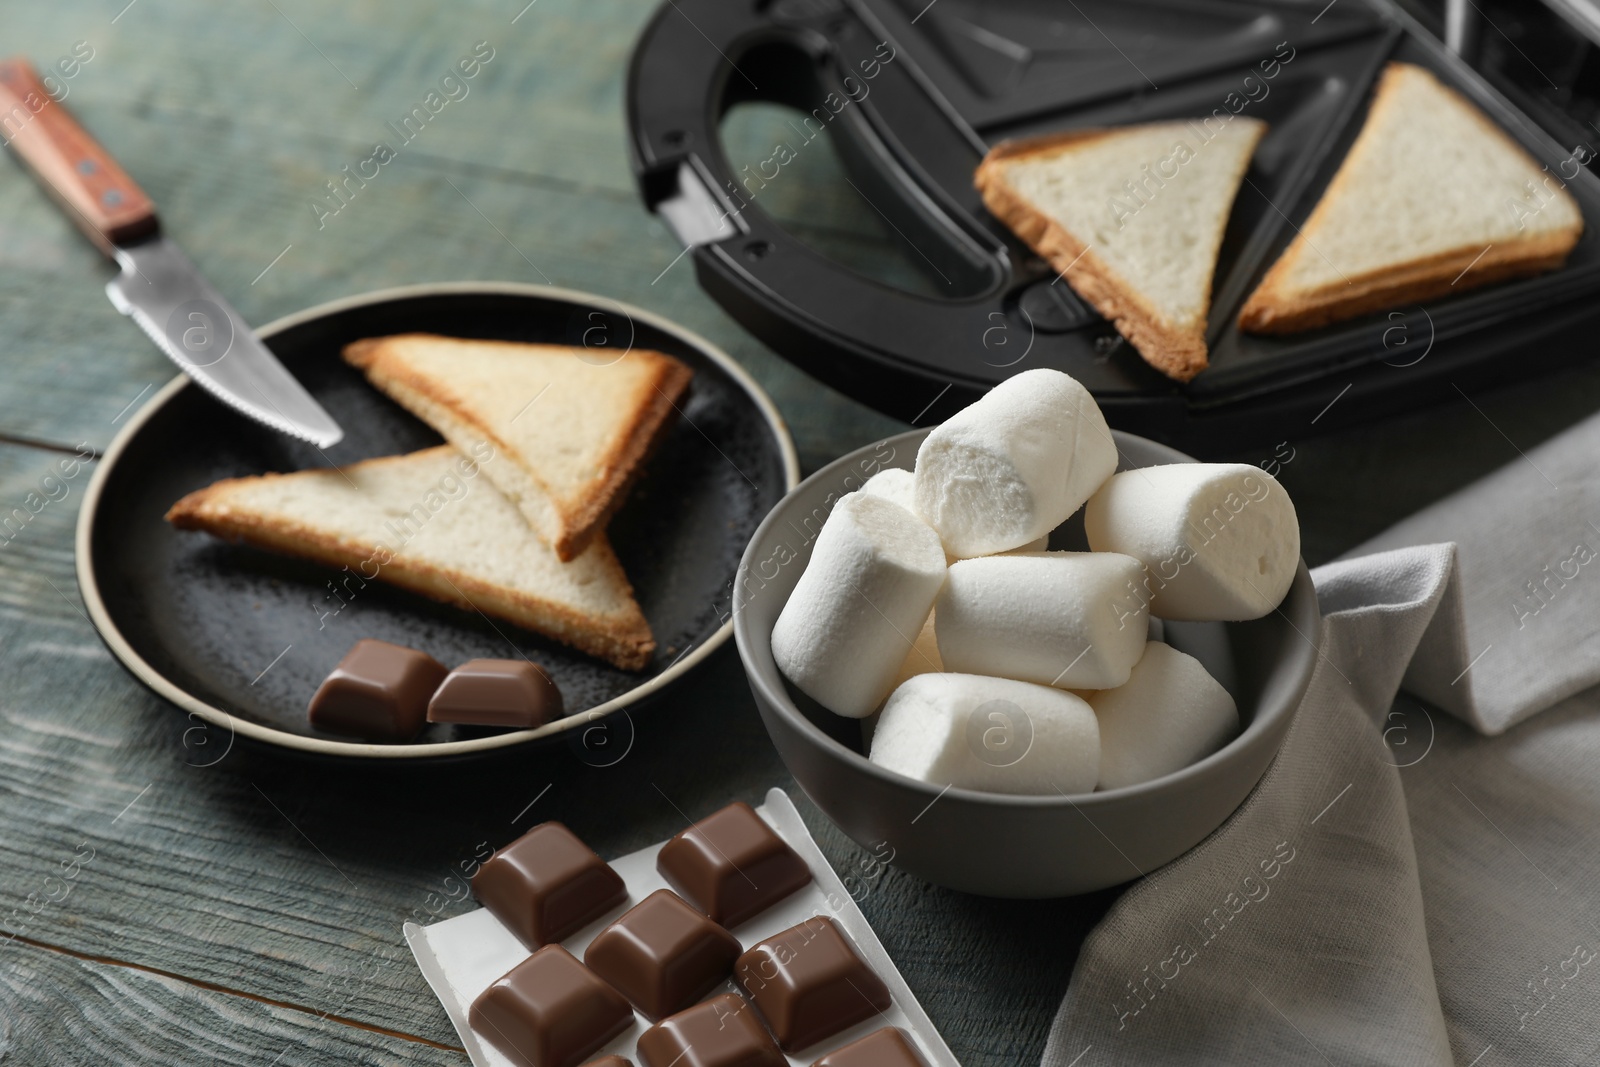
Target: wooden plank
(264, 71)
(120, 843)
(234, 150)
(545, 106)
(74, 364)
(65, 1010)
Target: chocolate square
(609, 1061)
(549, 1011)
(662, 954)
(722, 1032)
(547, 885)
(732, 865)
(809, 983)
(496, 692)
(881, 1048)
(378, 692)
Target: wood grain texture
(234, 123)
(62, 1010)
(75, 364)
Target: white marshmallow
(1014, 465)
(1038, 544)
(1170, 714)
(874, 573)
(923, 657)
(894, 485)
(1050, 618)
(1219, 541)
(994, 734)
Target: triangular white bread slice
(426, 522)
(1132, 218)
(1433, 198)
(569, 426)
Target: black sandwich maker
(950, 78)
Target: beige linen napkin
(1408, 885)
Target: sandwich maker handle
(96, 193)
(694, 61)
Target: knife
(158, 287)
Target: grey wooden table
(157, 909)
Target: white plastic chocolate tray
(462, 956)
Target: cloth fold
(1404, 886)
(1529, 557)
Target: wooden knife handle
(98, 195)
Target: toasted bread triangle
(1133, 219)
(569, 427)
(428, 523)
(1433, 198)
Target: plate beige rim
(88, 582)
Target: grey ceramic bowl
(1016, 846)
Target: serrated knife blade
(158, 286)
(201, 332)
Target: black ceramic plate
(241, 638)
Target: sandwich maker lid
(914, 93)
